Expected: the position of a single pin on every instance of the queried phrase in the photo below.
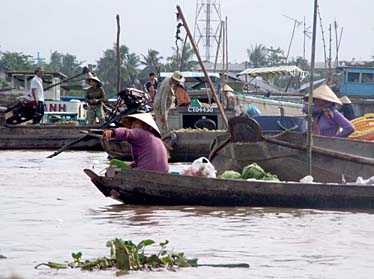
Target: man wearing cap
(95, 96)
(37, 95)
(327, 120)
(147, 149)
(164, 98)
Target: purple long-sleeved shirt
(148, 151)
(330, 127)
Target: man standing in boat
(37, 95)
(164, 98)
(95, 96)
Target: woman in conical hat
(147, 149)
(327, 120)
(346, 108)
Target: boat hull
(45, 137)
(333, 159)
(149, 188)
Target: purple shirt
(147, 150)
(330, 127)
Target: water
(49, 209)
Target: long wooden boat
(151, 188)
(44, 136)
(333, 159)
(186, 146)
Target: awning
(272, 71)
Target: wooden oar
(87, 136)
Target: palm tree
(152, 63)
(181, 61)
(257, 56)
(106, 68)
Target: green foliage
(65, 63)
(107, 69)
(126, 255)
(16, 61)
(152, 63)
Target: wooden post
(202, 65)
(310, 98)
(118, 56)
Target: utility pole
(38, 59)
(207, 26)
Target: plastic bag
(201, 167)
(369, 181)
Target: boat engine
(131, 100)
(23, 110)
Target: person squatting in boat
(327, 120)
(147, 149)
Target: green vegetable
(120, 164)
(230, 175)
(269, 176)
(253, 171)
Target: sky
(85, 28)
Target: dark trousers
(39, 112)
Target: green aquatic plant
(126, 255)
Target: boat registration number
(200, 109)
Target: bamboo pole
(118, 56)
(180, 13)
(310, 99)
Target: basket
(364, 123)
(364, 127)
(365, 135)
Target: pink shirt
(148, 151)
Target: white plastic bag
(201, 167)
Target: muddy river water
(49, 208)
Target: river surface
(49, 208)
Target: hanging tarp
(270, 72)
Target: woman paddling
(147, 149)
(327, 120)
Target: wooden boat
(151, 188)
(187, 146)
(44, 136)
(333, 159)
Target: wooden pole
(227, 51)
(180, 13)
(218, 46)
(118, 56)
(310, 99)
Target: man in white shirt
(37, 95)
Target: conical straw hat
(144, 117)
(227, 87)
(345, 100)
(325, 93)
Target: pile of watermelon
(252, 171)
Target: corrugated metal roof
(280, 70)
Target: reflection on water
(49, 209)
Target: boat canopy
(191, 75)
(273, 71)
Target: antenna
(297, 23)
(307, 34)
(207, 25)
